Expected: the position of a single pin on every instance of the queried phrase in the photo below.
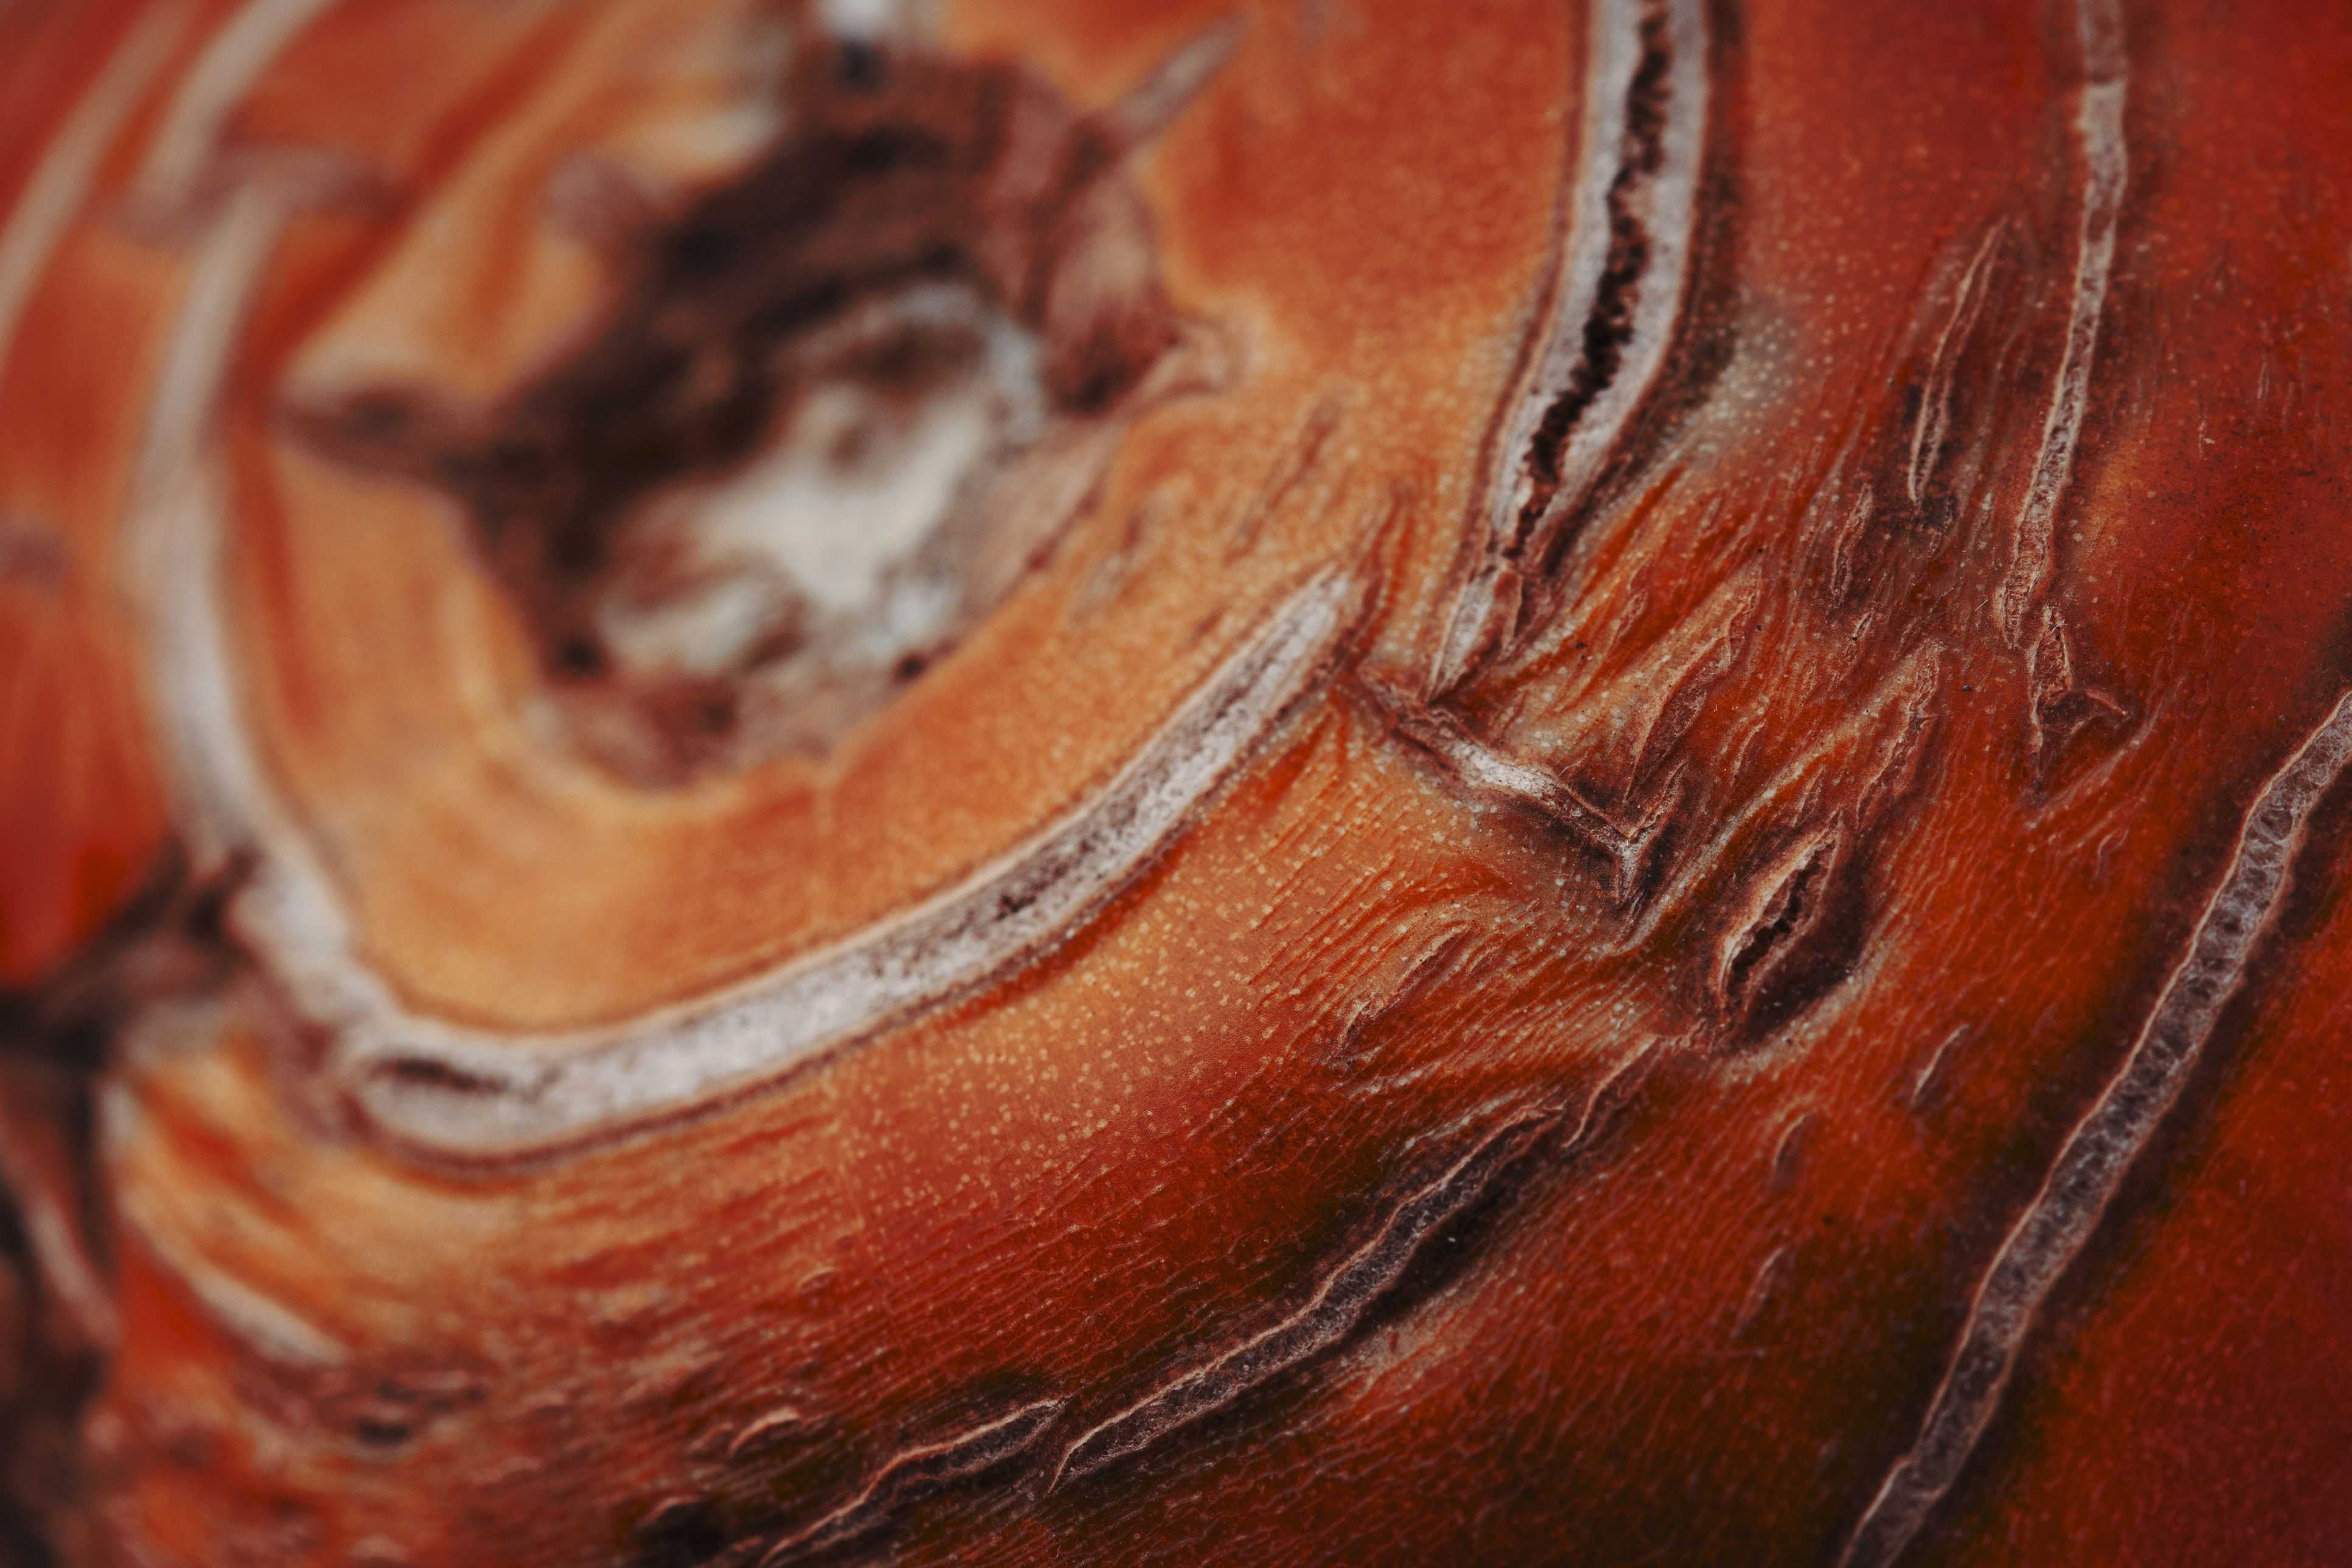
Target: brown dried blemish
(918, 207)
(1795, 925)
(59, 1229)
(388, 1407)
(1846, 540)
(44, 1176)
(1904, 519)
(1691, 686)
(1112, 575)
(371, 1406)
(168, 940)
(1902, 757)
(613, 209)
(1422, 977)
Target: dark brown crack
(1617, 346)
(1932, 423)
(679, 1532)
(916, 1472)
(1609, 325)
(1782, 946)
(1789, 1152)
(692, 1529)
(1928, 1082)
(1340, 1304)
(1405, 1258)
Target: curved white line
(440, 1091)
(2106, 169)
(1669, 199)
(466, 1095)
(1663, 201)
(2089, 1167)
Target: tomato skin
(1564, 1085)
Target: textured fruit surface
(1049, 781)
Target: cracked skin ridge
(1686, 1338)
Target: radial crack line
(1934, 416)
(2090, 1165)
(917, 1472)
(1612, 311)
(2099, 139)
(1339, 1305)
(1487, 772)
